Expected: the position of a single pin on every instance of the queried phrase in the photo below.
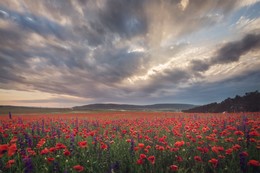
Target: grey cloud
(11, 39)
(228, 53)
(232, 51)
(170, 78)
(199, 65)
(124, 17)
(83, 58)
(38, 24)
(114, 65)
(83, 2)
(9, 36)
(175, 76)
(120, 19)
(55, 10)
(236, 85)
(78, 77)
(93, 36)
(7, 77)
(215, 92)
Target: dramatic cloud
(138, 51)
(230, 52)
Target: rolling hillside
(154, 107)
(250, 102)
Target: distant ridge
(4, 109)
(153, 107)
(250, 102)
(24, 109)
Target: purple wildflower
(56, 167)
(21, 144)
(242, 162)
(114, 167)
(72, 142)
(132, 147)
(10, 115)
(28, 140)
(28, 165)
(43, 125)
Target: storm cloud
(124, 51)
(230, 52)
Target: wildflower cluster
(130, 142)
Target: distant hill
(96, 107)
(250, 102)
(24, 109)
(154, 107)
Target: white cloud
(221, 72)
(244, 3)
(246, 25)
(183, 4)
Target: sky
(63, 53)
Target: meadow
(111, 142)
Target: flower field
(149, 142)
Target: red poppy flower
(104, 146)
(92, 133)
(197, 158)
(78, 168)
(60, 146)
(239, 133)
(44, 151)
(151, 159)
(245, 154)
(229, 151)
(52, 149)
(254, 133)
(215, 149)
(31, 152)
(174, 149)
(252, 140)
(66, 153)
(3, 149)
(179, 143)
(160, 148)
(12, 150)
(174, 167)
(141, 145)
(179, 159)
(10, 163)
(199, 136)
(253, 163)
(50, 159)
(146, 150)
(14, 139)
(221, 156)
(140, 161)
(136, 148)
(142, 156)
(214, 162)
(82, 144)
(40, 143)
(236, 147)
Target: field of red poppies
(112, 142)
